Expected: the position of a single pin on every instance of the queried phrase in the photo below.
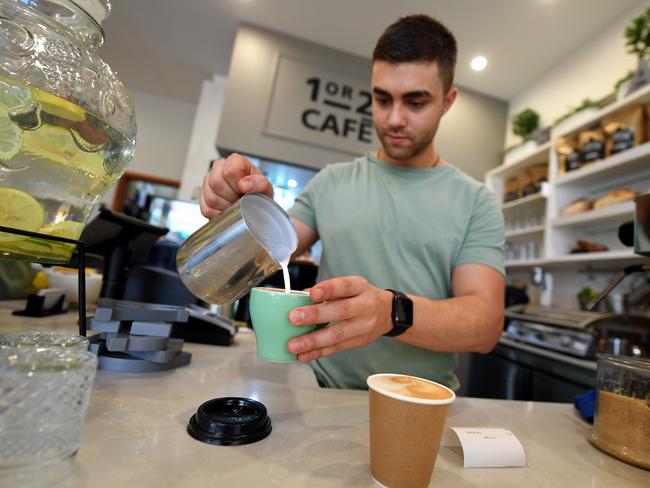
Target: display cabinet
(537, 232)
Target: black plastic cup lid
(230, 421)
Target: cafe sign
(316, 105)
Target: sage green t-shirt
(404, 229)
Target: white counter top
(135, 430)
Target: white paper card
(52, 295)
(487, 448)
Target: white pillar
(202, 147)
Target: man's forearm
(469, 323)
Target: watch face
(403, 310)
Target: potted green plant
(524, 124)
(637, 35)
(637, 41)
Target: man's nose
(397, 117)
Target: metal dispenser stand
(80, 264)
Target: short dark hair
(419, 38)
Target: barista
(412, 266)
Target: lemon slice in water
(11, 96)
(19, 210)
(10, 138)
(68, 229)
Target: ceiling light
(292, 183)
(478, 63)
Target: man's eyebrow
(412, 94)
(417, 94)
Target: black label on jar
(529, 189)
(538, 185)
(593, 150)
(622, 139)
(573, 161)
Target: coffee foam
(410, 388)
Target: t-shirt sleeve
(304, 208)
(485, 238)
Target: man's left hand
(358, 313)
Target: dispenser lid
(230, 421)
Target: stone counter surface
(135, 434)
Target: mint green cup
(269, 308)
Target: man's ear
(449, 100)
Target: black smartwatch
(401, 314)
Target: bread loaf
(614, 196)
(578, 206)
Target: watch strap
(401, 313)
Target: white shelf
(612, 213)
(595, 256)
(631, 160)
(520, 202)
(528, 232)
(618, 257)
(528, 263)
(538, 155)
(605, 257)
(640, 96)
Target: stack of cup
(407, 419)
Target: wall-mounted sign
(316, 105)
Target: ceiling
(168, 47)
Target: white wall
(164, 129)
(590, 72)
(469, 135)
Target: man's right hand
(228, 180)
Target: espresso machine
(636, 233)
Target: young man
(399, 219)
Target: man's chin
(398, 153)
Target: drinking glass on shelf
(531, 220)
(522, 252)
(532, 249)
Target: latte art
(409, 386)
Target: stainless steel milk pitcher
(236, 250)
